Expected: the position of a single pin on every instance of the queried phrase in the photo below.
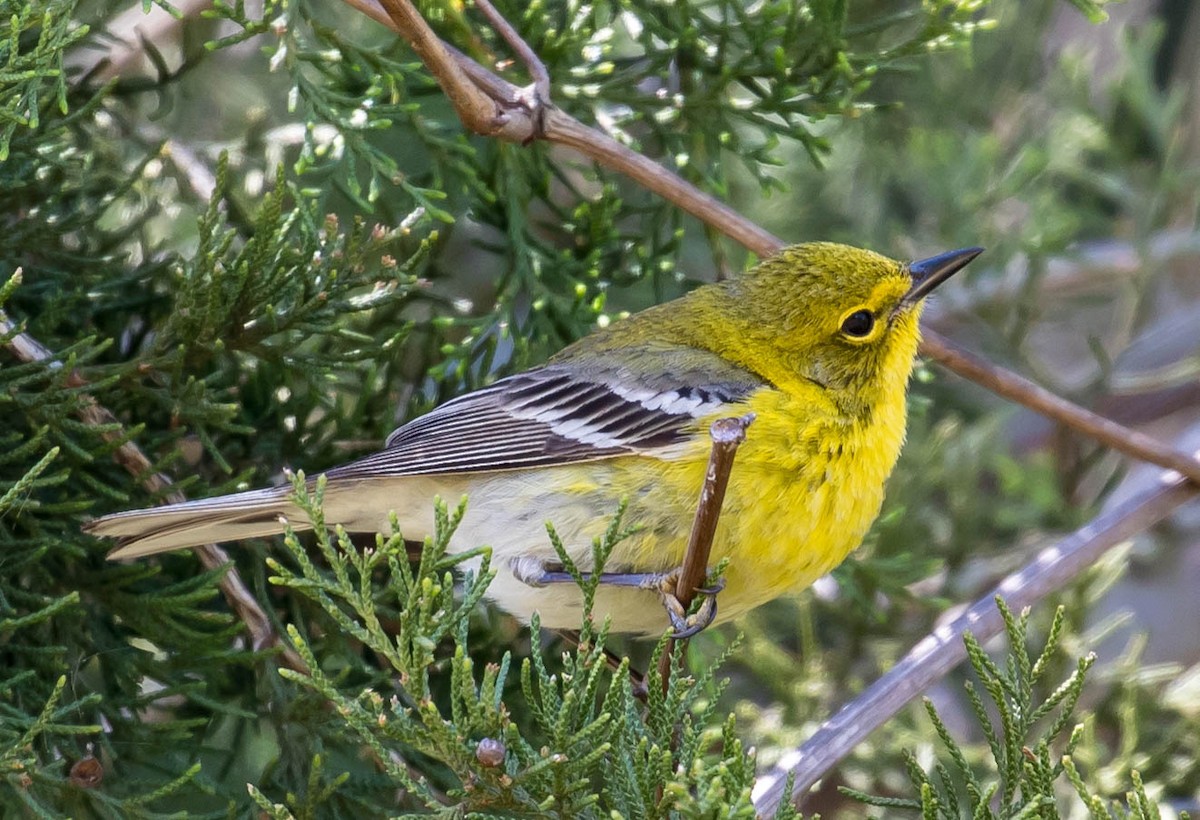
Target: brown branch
(727, 435)
(506, 119)
(262, 633)
(564, 129)
(533, 63)
(1020, 389)
(469, 80)
(941, 651)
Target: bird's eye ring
(859, 324)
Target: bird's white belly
(508, 513)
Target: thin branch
(512, 120)
(533, 63)
(727, 435)
(942, 650)
(262, 633)
(1023, 391)
(469, 80)
(564, 129)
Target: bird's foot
(686, 625)
(535, 572)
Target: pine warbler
(818, 342)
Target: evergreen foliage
(584, 747)
(1025, 724)
(274, 241)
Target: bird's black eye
(858, 324)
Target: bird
(818, 342)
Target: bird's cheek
(834, 372)
(819, 372)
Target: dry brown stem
(537, 69)
(510, 118)
(526, 116)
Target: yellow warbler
(818, 342)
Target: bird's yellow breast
(805, 487)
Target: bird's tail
(210, 520)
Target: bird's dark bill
(927, 274)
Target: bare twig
(512, 120)
(941, 651)
(564, 129)
(470, 81)
(533, 63)
(727, 435)
(128, 455)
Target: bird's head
(841, 317)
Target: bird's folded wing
(577, 409)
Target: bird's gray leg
(538, 573)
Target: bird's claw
(683, 624)
(688, 625)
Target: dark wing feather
(567, 411)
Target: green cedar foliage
(1027, 725)
(585, 746)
